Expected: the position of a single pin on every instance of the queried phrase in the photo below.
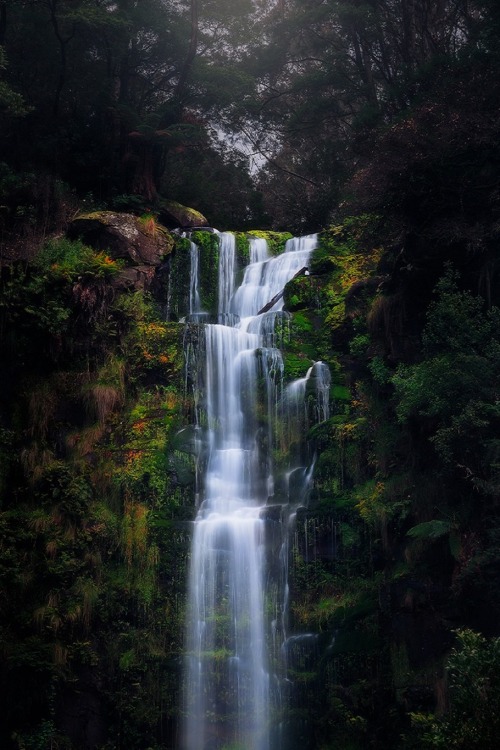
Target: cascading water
(226, 270)
(194, 292)
(227, 673)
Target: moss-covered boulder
(139, 240)
(176, 214)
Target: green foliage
(67, 259)
(345, 255)
(148, 463)
(11, 102)
(473, 719)
(379, 370)
(242, 249)
(27, 301)
(359, 344)
(96, 489)
(457, 321)
(440, 386)
(455, 383)
(89, 475)
(341, 393)
(300, 293)
(435, 529)
(430, 529)
(136, 204)
(43, 737)
(137, 307)
(66, 285)
(9, 180)
(342, 239)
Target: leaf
(429, 530)
(455, 545)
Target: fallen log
(278, 296)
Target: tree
(473, 719)
(332, 74)
(114, 86)
(11, 102)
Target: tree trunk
(409, 33)
(3, 20)
(143, 155)
(191, 54)
(62, 52)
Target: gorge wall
(395, 551)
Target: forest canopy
(131, 101)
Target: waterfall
(227, 250)
(307, 400)
(229, 632)
(194, 292)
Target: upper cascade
(228, 695)
(266, 277)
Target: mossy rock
(180, 273)
(295, 366)
(242, 250)
(302, 336)
(182, 216)
(300, 294)
(276, 241)
(208, 269)
(139, 241)
(157, 352)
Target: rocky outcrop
(178, 215)
(137, 278)
(141, 242)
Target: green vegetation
(91, 485)
(379, 125)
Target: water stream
(232, 623)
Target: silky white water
(194, 292)
(227, 673)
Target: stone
(138, 278)
(141, 242)
(183, 216)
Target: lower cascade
(236, 620)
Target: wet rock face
(137, 278)
(123, 236)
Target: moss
(125, 224)
(351, 608)
(159, 349)
(300, 293)
(242, 249)
(186, 216)
(276, 241)
(146, 467)
(152, 347)
(177, 285)
(343, 258)
(341, 393)
(91, 475)
(299, 343)
(208, 242)
(295, 366)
